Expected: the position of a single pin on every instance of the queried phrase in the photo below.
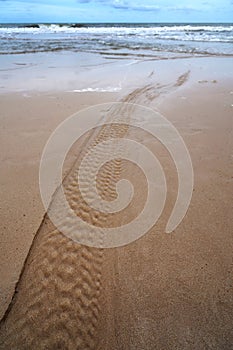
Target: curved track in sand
(56, 304)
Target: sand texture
(163, 291)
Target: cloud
(126, 5)
(116, 10)
(183, 8)
(134, 5)
(136, 8)
(123, 5)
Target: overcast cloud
(116, 11)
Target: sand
(163, 291)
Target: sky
(94, 11)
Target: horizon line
(73, 22)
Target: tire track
(148, 93)
(56, 301)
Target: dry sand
(160, 292)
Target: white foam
(89, 89)
(55, 37)
(141, 31)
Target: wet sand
(162, 291)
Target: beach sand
(163, 291)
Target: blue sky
(116, 11)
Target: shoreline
(81, 72)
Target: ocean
(119, 39)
